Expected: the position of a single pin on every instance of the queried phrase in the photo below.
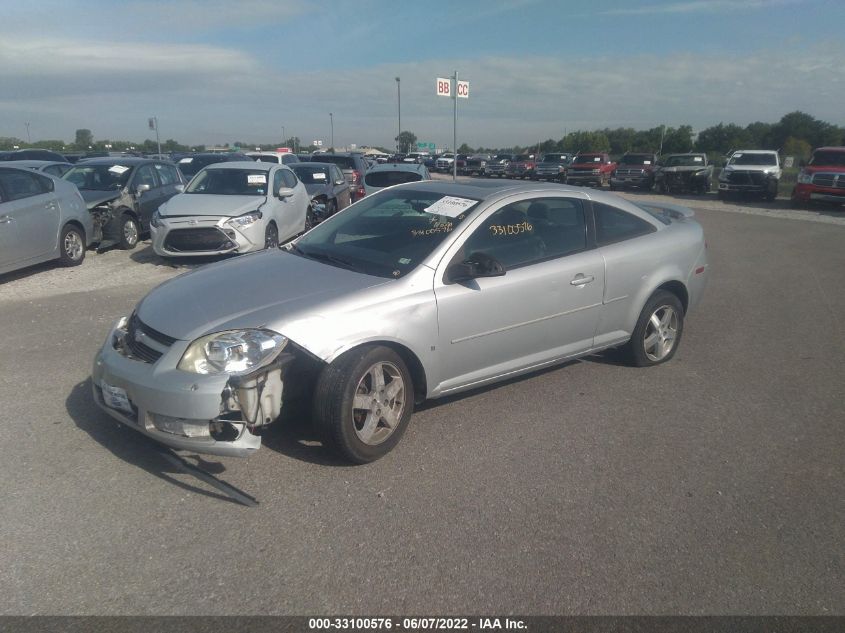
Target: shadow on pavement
(130, 446)
(293, 435)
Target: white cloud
(213, 94)
(698, 6)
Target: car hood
(204, 204)
(760, 168)
(93, 197)
(683, 168)
(264, 290)
(831, 169)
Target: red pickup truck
(590, 169)
(822, 179)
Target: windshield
(828, 159)
(636, 159)
(99, 177)
(311, 174)
(389, 178)
(556, 158)
(266, 158)
(741, 158)
(190, 165)
(587, 158)
(685, 160)
(230, 182)
(386, 234)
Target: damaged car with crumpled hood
(420, 290)
(122, 193)
(684, 173)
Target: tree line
(796, 134)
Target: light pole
(399, 105)
(331, 120)
(284, 136)
(28, 138)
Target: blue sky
(217, 71)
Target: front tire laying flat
(363, 402)
(658, 331)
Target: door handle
(5, 219)
(581, 280)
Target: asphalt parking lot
(712, 484)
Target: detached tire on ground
(363, 402)
(658, 331)
(71, 245)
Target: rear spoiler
(673, 211)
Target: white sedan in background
(234, 207)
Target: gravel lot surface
(709, 485)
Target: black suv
(353, 167)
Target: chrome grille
(829, 180)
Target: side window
(19, 184)
(560, 224)
(174, 173)
(615, 225)
(288, 177)
(337, 175)
(278, 183)
(146, 176)
(509, 236)
(165, 175)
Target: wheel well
(414, 366)
(77, 225)
(679, 290)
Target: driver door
(543, 308)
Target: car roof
(117, 160)
(245, 164)
(415, 167)
(311, 163)
(754, 151)
(39, 163)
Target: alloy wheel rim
(73, 245)
(130, 232)
(661, 333)
(271, 237)
(378, 403)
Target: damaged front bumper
(212, 414)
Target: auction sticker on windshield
(450, 206)
(256, 179)
(115, 397)
(318, 176)
(118, 169)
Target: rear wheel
(71, 245)
(658, 331)
(363, 402)
(271, 236)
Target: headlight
(804, 177)
(246, 219)
(156, 219)
(234, 352)
(702, 172)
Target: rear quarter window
(615, 225)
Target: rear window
(389, 178)
(344, 162)
(312, 174)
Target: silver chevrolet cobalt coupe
(418, 291)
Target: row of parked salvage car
(756, 172)
(233, 203)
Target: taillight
(356, 176)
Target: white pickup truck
(751, 171)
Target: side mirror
(284, 192)
(180, 188)
(475, 266)
(142, 188)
